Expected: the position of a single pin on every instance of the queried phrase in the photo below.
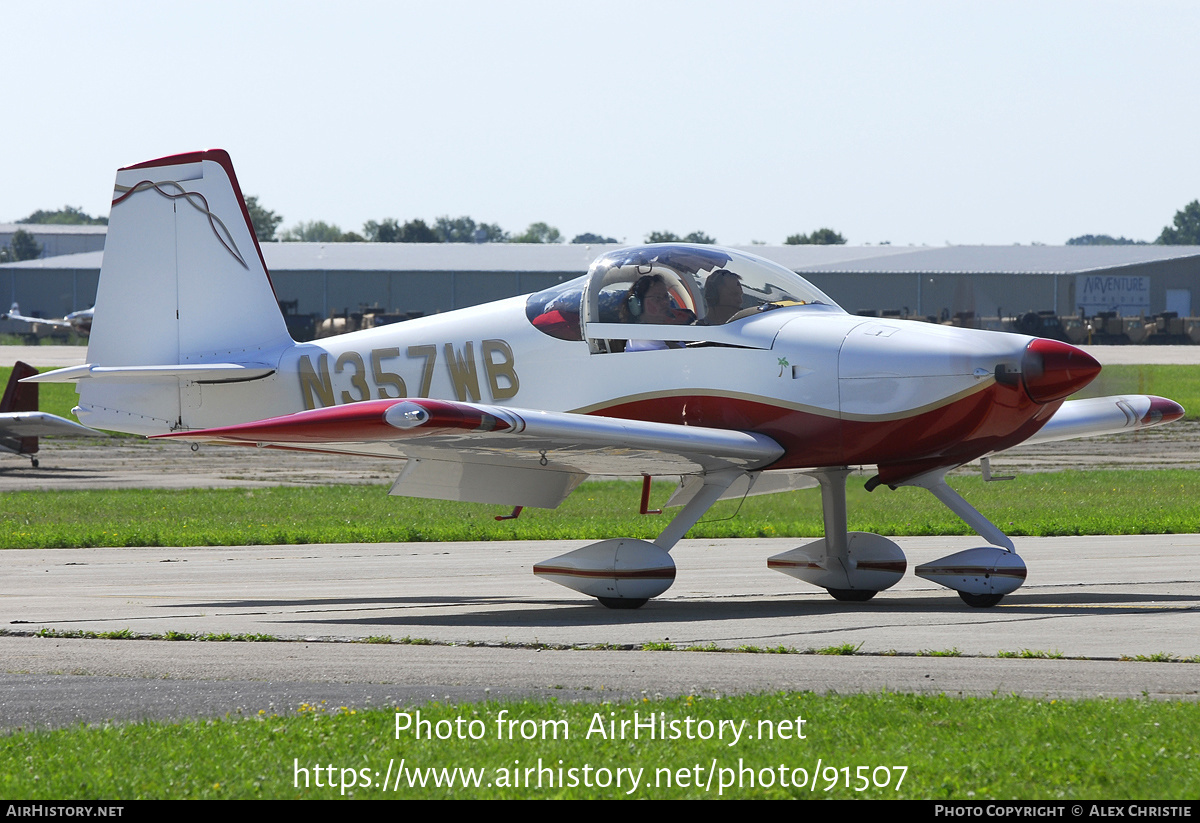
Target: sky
(921, 123)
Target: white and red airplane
(718, 367)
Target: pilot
(723, 296)
(649, 301)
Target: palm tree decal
(782, 365)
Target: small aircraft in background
(715, 366)
(81, 321)
(13, 322)
(21, 424)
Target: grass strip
(1150, 751)
(1041, 504)
(1180, 383)
(653, 646)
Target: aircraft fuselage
(832, 388)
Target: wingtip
(1162, 410)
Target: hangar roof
(82, 260)
(52, 228)
(392, 257)
(995, 259)
(504, 257)
(432, 256)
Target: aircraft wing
(41, 424)
(1107, 415)
(493, 454)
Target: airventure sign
(1128, 296)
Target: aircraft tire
(980, 601)
(622, 602)
(851, 595)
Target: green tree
(387, 231)
(265, 222)
(672, 237)
(66, 216)
(1186, 231)
(1103, 240)
(538, 233)
(662, 237)
(315, 231)
(415, 231)
(391, 231)
(454, 230)
(588, 237)
(22, 247)
(465, 230)
(820, 237)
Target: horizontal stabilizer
(196, 373)
(42, 424)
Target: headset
(637, 293)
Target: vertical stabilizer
(183, 279)
(183, 284)
(20, 397)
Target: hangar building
(57, 239)
(915, 280)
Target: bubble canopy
(710, 285)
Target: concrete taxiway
(496, 627)
(1098, 597)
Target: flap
(478, 482)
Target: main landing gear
(981, 576)
(625, 573)
(851, 595)
(853, 567)
(980, 601)
(623, 602)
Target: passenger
(722, 296)
(649, 301)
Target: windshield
(669, 283)
(717, 285)
(555, 311)
(703, 286)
